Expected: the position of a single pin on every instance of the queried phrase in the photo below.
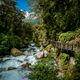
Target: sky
(23, 5)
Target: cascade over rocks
(17, 66)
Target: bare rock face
(15, 52)
(41, 54)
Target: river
(11, 68)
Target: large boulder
(41, 54)
(16, 52)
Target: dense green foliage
(58, 20)
(9, 41)
(39, 33)
(10, 18)
(59, 15)
(13, 31)
(62, 23)
(70, 37)
(44, 70)
(65, 37)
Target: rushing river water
(11, 67)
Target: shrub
(39, 33)
(77, 57)
(64, 58)
(9, 41)
(3, 41)
(15, 41)
(44, 70)
(66, 37)
(77, 32)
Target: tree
(13, 30)
(59, 15)
(11, 17)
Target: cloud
(30, 15)
(27, 14)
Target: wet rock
(16, 52)
(18, 65)
(11, 68)
(25, 65)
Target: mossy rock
(64, 58)
(48, 48)
(52, 50)
(66, 37)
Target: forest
(57, 20)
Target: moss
(64, 58)
(48, 48)
(66, 37)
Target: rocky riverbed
(18, 67)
